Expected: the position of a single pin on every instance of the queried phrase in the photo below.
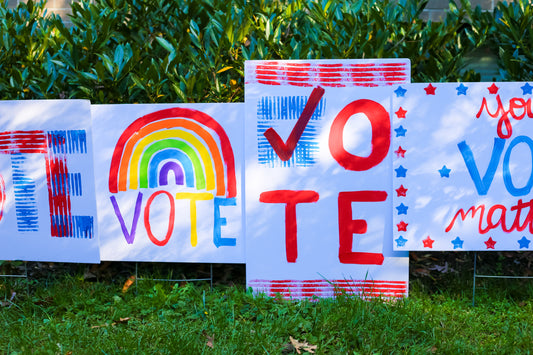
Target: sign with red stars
(463, 168)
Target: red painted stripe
(268, 82)
(60, 204)
(323, 288)
(22, 142)
(335, 65)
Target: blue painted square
(271, 111)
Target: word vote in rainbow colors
(179, 143)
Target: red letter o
(379, 119)
(170, 219)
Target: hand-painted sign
(47, 206)
(169, 182)
(318, 206)
(463, 166)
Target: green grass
(70, 316)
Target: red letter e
(348, 227)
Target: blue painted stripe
(67, 142)
(286, 108)
(24, 188)
(74, 180)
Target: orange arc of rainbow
(167, 134)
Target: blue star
(445, 172)
(526, 89)
(400, 241)
(400, 92)
(461, 89)
(400, 131)
(402, 209)
(524, 242)
(401, 171)
(457, 243)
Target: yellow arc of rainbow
(171, 134)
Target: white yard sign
(169, 182)
(462, 170)
(47, 205)
(318, 183)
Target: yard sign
(169, 182)
(318, 205)
(47, 206)
(462, 168)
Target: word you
(518, 109)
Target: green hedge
(125, 51)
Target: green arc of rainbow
(159, 139)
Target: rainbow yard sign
(318, 182)
(47, 206)
(169, 181)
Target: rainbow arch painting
(178, 140)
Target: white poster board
(463, 166)
(169, 182)
(318, 219)
(47, 205)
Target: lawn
(70, 313)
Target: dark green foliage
(27, 50)
(513, 32)
(124, 51)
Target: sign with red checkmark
(317, 155)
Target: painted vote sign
(463, 166)
(168, 182)
(318, 183)
(47, 206)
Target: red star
(430, 90)
(400, 152)
(490, 243)
(400, 113)
(428, 242)
(402, 226)
(493, 89)
(401, 191)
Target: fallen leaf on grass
(210, 339)
(305, 346)
(122, 320)
(100, 326)
(422, 271)
(128, 283)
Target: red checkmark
(285, 150)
